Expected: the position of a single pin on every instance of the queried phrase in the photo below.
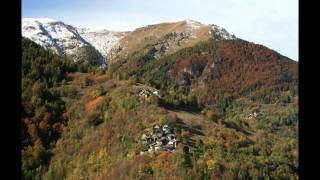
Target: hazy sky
(273, 23)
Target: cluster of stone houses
(254, 115)
(146, 93)
(160, 138)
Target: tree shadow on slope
(186, 132)
(234, 126)
(175, 107)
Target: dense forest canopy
(42, 106)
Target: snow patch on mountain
(102, 40)
(52, 34)
(221, 32)
(193, 24)
(65, 39)
(192, 27)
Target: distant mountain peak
(218, 30)
(193, 24)
(66, 39)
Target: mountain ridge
(66, 39)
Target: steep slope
(42, 119)
(102, 40)
(167, 38)
(229, 68)
(61, 38)
(107, 119)
(233, 106)
(53, 35)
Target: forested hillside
(232, 105)
(43, 109)
(214, 71)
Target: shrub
(94, 119)
(99, 71)
(69, 91)
(127, 103)
(97, 91)
(88, 81)
(286, 99)
(106, 116)
(162, 120)
(212, 115)
(153, 99)
(211, 164)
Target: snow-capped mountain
(166, 38)
(53, 34)
(65, 39)
(217, 30)
(102, 40)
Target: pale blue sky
(273, 23)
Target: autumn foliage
(89, 125)
(93, 104)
